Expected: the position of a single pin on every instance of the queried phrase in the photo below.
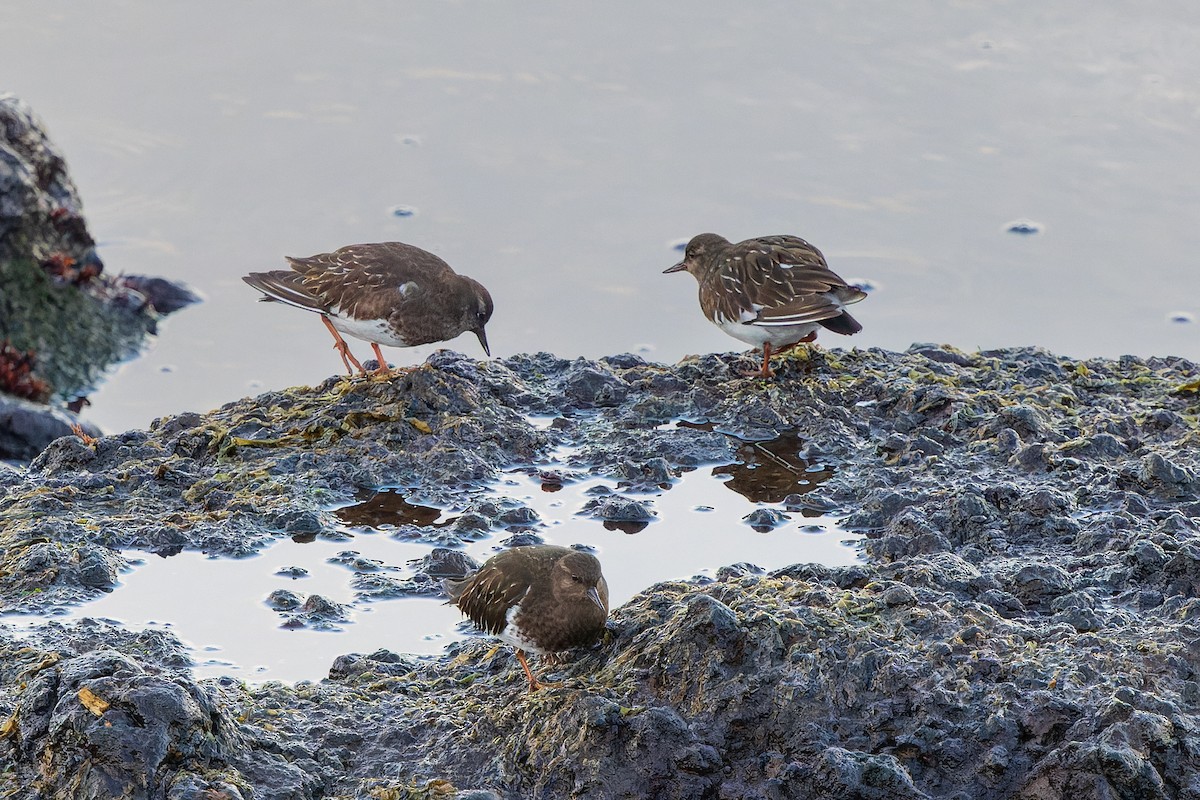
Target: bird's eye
(577, 579)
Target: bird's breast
(369, 330)
(516, 634)
(759, 335)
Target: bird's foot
(534, 683)
(385, 373)
(768, 353)
(765, 372)
(382, 371)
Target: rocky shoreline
(1023, 623)
(64, 320)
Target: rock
(444, 563)
(163, 296)
(615, 508)
(842, 773)
(26, 428)
(60, 305)
(944, 354)
(284, 600)
(1023, 618)
(766, 519)
(105, 725)
(589, 387)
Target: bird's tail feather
(843, 323)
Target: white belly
(512, 636)
(368, 330)
(776, 335)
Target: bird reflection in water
(771, 471)
(388, 507)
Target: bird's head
(577, 577)
(477, 311)
(694, 255)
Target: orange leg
(766, 371)
(534, 683)
(343, 348)
(383, 365)
(812, 337)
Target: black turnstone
(773, 291)
(387, 293)
(541, 598)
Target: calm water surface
(554, 151)
(698, 524)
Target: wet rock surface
(27, 427)
(59, 310)
(1023, 624)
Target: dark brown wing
(349, 278)
(776, 280)
(286, 287)
(486, 596)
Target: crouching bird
(542, 599)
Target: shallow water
(557, 151)
(219, 608)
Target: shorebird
(771, 291)
(543, 599)
(385, 293)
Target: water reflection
(358, 586)
(625, 526)
(389, 508)
(768, 472)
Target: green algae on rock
(1024, 620)
(57, 302)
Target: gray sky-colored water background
(558, 151)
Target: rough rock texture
(55, 299)
(1023, 624)
(26, 427)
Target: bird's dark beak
(483, 341)
(682, 265)
(594, 596)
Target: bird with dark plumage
(543, 599)
(770, 291)
(385, 293)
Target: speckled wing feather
(349, 278)
(775, 281)
(487, 595)
(285, 287)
